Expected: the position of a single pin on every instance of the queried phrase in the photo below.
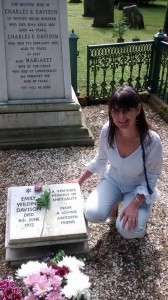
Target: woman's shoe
(111, 220)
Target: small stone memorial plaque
(28, 223)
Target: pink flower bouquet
(54, 281)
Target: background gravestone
(36, 98)
(134, 17)
(88, 8)
(166, 22)
(103, 13)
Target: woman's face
(125, 118)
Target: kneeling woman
(129, 159)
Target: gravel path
(119, 269)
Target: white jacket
(128, 173)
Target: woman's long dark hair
(126, 97)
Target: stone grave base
(46, 123)
(18, 256)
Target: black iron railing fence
(141, 64)
(161, 88)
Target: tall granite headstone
(38, 107)
(103, 13)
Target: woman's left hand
(130, 215)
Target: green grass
(153, 15)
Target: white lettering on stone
(64, 218)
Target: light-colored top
(128, 173)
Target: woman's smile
(125, 118)
(123, 123)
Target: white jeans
(101, 201)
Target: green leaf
(58, 257)
(44, 200)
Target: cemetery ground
(118, 268)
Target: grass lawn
(153, 15)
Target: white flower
(77, 286)
(31, 267)
(72, 263)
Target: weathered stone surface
(16, 257)
(3, 89)
(37, 50)
(134, 17)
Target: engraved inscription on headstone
(36, 96)
(64, 219)
(33, 49)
